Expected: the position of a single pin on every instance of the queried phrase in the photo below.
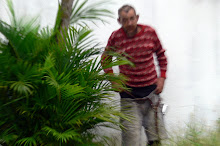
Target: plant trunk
(66, 11)
(63, 19)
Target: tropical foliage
(52, 92)
(82, 13)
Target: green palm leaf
(83, 12)
(28, 141)
(65, 136)
(28, 25)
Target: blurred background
(189, 31)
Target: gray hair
(125, 8)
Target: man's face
(128, 20)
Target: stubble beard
(131, 34)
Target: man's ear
(119, 20)
(137, 17)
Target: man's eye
(124, 20)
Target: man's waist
(138, 92)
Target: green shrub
(52, 93)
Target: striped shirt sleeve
(105, 58)
(160, 54)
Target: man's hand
(160, 84)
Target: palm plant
(84, 12)
(52, 93)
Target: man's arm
(105, 58)
(162, 62)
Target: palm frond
(64, 136)
(46, 33)
(23, 88)
(78, 47)
(22, 42)
(83, 12)
(28, 25)
(27, 141)
(12, 12)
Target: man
(142, 103)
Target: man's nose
(129, 22)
